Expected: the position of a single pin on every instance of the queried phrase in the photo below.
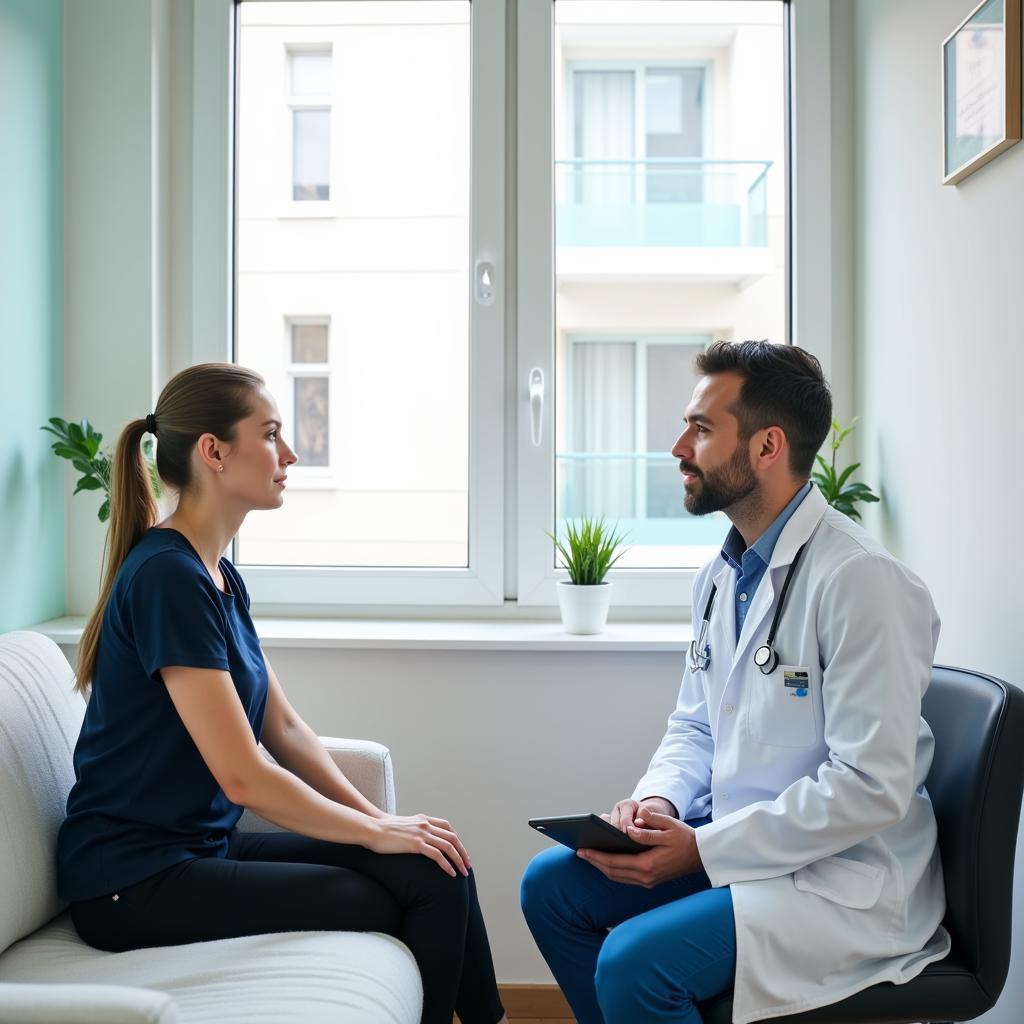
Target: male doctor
(791, 843)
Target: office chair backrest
(975, 783)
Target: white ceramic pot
(584, 609)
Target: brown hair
(783, 386)
(206, 399)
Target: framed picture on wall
(981, 88)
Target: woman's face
(255, 463)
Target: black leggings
(279, 881)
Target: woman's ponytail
(132, 512)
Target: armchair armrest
(367, 765)
(22, 1003)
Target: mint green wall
(31, 309)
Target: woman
(181, 694)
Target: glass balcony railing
(684, 203)
(641, 491)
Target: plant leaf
(104, 512)
(89, 483)
(846, 473)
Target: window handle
(536, 404)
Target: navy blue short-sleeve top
(143, 797)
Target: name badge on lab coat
(796, 680)
(781, 713)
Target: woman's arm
(208, 705)
(296, 747)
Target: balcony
(641, 491)
(667, 219)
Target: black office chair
(975, 783)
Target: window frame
(536, 283)
(481, 583)
(288, 205)
(819, 193)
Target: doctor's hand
(673, 853)
(625, 812)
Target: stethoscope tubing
(765, 656)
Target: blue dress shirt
(751, 563)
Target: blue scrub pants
(672, 946)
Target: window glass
(312, 421)
(311, 154)
(379, 415)
(311, 74)
(309, 343)
(669, 233)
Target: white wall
(940, 351)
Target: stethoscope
(766, 658)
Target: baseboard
(535, 1002)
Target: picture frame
(981, 88)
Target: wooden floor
(535, 1004)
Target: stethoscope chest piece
(766, 658)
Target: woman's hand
(417, 833)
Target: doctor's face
(713, 458)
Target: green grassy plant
(588, 550)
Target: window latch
(485, 287)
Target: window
(622, 418)
(377, 388)
(311, 400)
(310, 90)
(668, 183)
(650, 179)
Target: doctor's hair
(783, 386)
(209, 398)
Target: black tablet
(586, 832)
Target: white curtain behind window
(604, 131)
(603, 420)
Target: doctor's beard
(722, 487)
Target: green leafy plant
(835, 487)
(588, 550)
(80, 445)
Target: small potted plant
(588, 552)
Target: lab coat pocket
(846, 882)
(780, 712)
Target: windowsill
(436, 634)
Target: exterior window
(310, 86)
(310, 373)
(622, 419)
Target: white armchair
(48, 975)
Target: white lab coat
(821, 823)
